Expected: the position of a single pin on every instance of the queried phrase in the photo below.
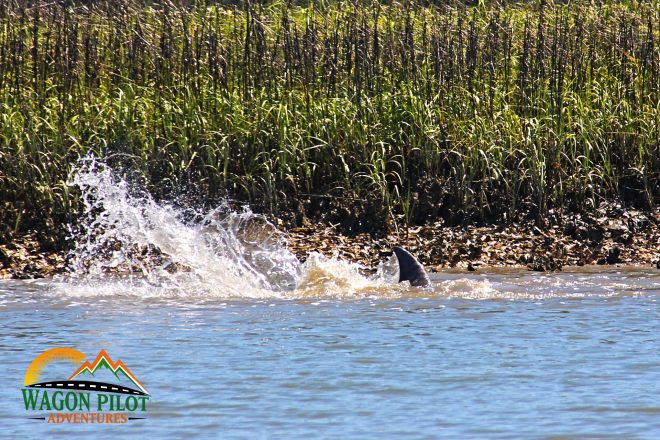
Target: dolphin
(410, 269)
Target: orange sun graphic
(47, 357)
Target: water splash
(129, 244)
(338, 278)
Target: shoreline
(625, 237)
(471, 248)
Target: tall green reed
(426, 111)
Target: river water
(499, 355)
(233, 337)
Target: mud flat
(611, 235)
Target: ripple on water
(499, 355)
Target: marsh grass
(354, 111)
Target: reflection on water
(506, 354)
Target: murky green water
(500, 355)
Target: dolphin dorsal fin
(410, 269)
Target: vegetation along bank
(394, 120)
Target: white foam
(222, 253)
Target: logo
(103, 391)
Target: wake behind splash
(129, 244)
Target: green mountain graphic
(103, 368)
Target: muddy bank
(25, 256)
(611, 235)
(632, 239)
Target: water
(583, 361)
(234, 338)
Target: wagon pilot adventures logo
(102, 391)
